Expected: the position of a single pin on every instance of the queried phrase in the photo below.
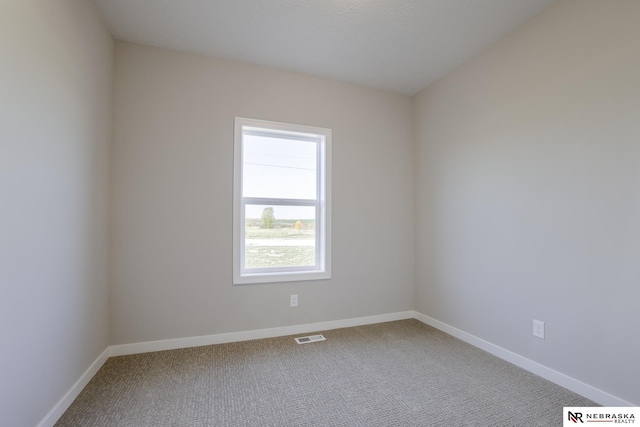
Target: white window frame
(322, 203)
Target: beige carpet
(400, 373)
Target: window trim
(322, 270)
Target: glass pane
(278, 168)
(279, 236)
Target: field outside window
(281, 236)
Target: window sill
(296, 276)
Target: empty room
(319, 213)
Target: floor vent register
(311, 338)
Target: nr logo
(575, 417)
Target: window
(282, 203)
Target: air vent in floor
(311, 338)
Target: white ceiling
(397, 45)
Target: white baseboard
(171, 344)
(63, 404)
(590, 392)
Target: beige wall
(56, 60)
(528, 193)
(172, 197)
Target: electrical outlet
(538, 328)
(293, 300)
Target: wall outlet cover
(538, 328)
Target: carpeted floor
(400, 373)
